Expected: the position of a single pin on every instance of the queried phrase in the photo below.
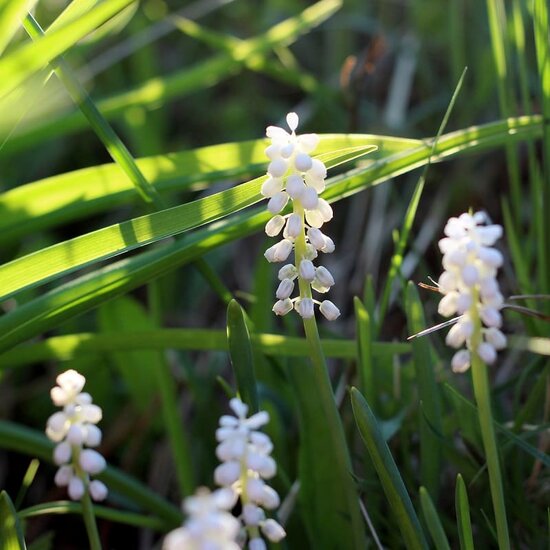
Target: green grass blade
(428, 393)
(159, 90)
(73, 346)
(240, 351)
(47, 203)
(11, 14)
(431, 517)
(462, 507)
(16, 67)
(11, 534)
(394, 488)
(18, 438)
(67, 256)
(365, 363)
(117, 516)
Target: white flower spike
(470, 288)
(72, 429)
(246, 462)
(293, 175)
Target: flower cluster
(470, 288)
(73, 429)
(294, 175)
(246, 462)
(209, 523)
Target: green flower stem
(322, 391)
(87, 507)
(483, 399)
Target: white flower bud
(304, 306)
(487, 353)
(456, 257)
(76, 435)
(317, 286)
(294, 225)
(93, 436)
(490, 316)
(447, 305)
(91, 461)
(62, 453)
(252, 514)
(273, 530)
(323, 275)
(295, 186)
(311, 252)
(271, 187)
(227, 473)
(257, 543)
(274, 225)
(325, 210)
(447, 282)
(269, 499)
(488, 287)
(308, 143)
(459, 333)
(461, 361)
(329, 245)
(489, 234)
(277, 168)
(463, 303)
(490, 256)
(277, 202)
(76, 488)
(316, 238)
(470, 275)
(287, 150)
(495, 338)
(307, 270)
(314, 218)
(58, 424)
(71, 381)
(272, 151)
(329, 310)
(282, 307)
(284, 290)
(309, 198)
(302, 162)
(288, 271)
(98, 490)
(292, 120)
(280, 251)
(63, 476)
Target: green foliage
(11, 534)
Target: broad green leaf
(11, 13)
(67, 256)
(324, 493)
(47, 203)
(394, 488)
(11, 534)
(71, 346)
(462, 507)
(18, 438)
(428, 393)
(240, 351)
(433, 522)
(26, 60)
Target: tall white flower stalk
(75, 432)
(471, 290)
(209, 523)
(246, 462)
(293, 175)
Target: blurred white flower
(294, 175)
(209, 523)
(470, 287)
(246, 462)
(72, 429)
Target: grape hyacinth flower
(74, 430)
(209, 523)
(246, 463)
(293, 175)
(470, 288)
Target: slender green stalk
(483, 399)
(89, 521)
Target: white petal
(292, 120)
(282, 307)
(329, 310)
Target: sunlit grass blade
(11, 14)
(22, 63)
(161, 89)
(50, 202)
(240, 351)
(462, 507)
(32, 443)
(394, 488)
(11, 533)
(429, 395)
(431, 517)
(56, 260)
